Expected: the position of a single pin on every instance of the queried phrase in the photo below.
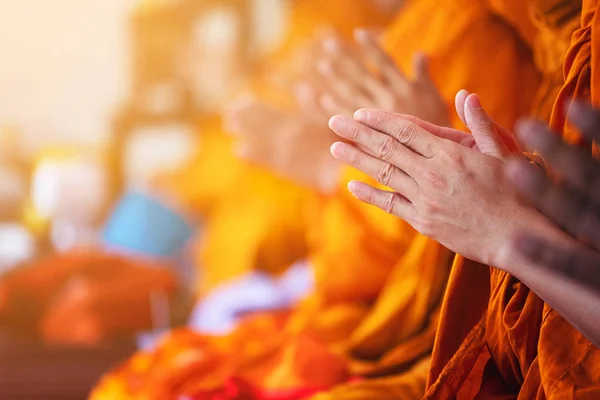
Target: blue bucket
(144, 225)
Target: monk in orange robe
(393, 334)
(269, 234)
(270, 223)
(500, 340)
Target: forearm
(575, 300)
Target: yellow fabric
(250, 218)
(259, 227)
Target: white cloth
(220, 312)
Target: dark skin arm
(572, 202)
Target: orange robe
(380, 321)
(502, 341)
(378, 284)
(395, 339)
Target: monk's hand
(572, 201)
(486, 135)
(291, 144)
(369, 78)
(445, 190)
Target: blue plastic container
(144, 225)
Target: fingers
(385, 173)
(348, 78)
(342, 82)
(345, 75)
(574, 164)
(586, 119)
(579, 264)
(390, 202)
(390, 72)
(333, 104)
(454, 135)
(348, 63)
(568, 208)
(377, 144)
(407, 133)
(483, 129)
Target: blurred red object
(84, 297)
(239, 389)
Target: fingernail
(355, 188)
(337, 149)
(360, 115)
(473, 101)
(336, 122)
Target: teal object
(144, 225)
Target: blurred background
(97, 100)
(85, 84)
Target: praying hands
(451, 186)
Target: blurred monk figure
(267, 231)
(573, 205)
(354, 325)
(263, 230)
(499, 326)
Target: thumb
(460, 104)
(484, 130)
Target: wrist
(506, 257)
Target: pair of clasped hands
(337, 78)
(475, 193)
